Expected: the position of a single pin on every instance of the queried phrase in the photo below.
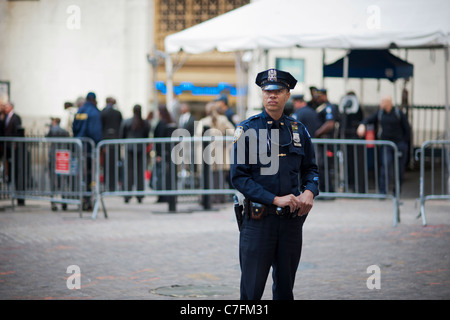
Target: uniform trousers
(273, 241)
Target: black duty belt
(283, 212)
(258, 211)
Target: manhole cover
(193, 291)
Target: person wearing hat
(277, 194)
(224, 108)
(328, 129)
(305, 114)
(88, 124)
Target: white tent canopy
(346, 24)
(343, 24)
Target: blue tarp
(375, 64)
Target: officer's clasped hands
(303, 203)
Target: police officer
(328, 119)
(305, 114)
(278, 193)
(88, 123)
(328, 115)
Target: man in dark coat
(111, 121)
(13, 128)
(88, 124)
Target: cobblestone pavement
(141, 252)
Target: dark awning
(375, 64)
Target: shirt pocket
(295, 158)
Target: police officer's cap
(91, 96)
(298, 97)
(222, 97)
(274, 79)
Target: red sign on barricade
(62, 161)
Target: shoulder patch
(237, 133)
(81, 116)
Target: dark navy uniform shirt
(297, 170)
(309, 117)
(87, 123)
(327, 112)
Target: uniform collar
(268, 119)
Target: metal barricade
(434, 164)
(352, 169)
(178, 166)
(48, 169)
(188, 166)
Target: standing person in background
(57, 181)
(163, 168)
(13, 122)
(2, 125)
(88, 124)
(13, 128)
(186, 119)
(225, 109)
(187, 122)
(305, 114)
(328, 117)
(135, 128)
(55, 129)
(391, 124)
(313, 103)
(111, 122)
(216, 124)
(70, 109)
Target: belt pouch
(257, 210)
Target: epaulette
(240, 127)
(292, 119)
(250, 119)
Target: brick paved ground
(141, 253)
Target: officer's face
(275, 100)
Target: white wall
(54, 51)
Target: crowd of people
(86, 119)
(321, 118)
(346, 121)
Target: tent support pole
(447, 107)
(240, 84)
(323, 65)
(169, 82)
(345, 72)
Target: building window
(175, 15)
(296, 67)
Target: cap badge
(272, 75)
